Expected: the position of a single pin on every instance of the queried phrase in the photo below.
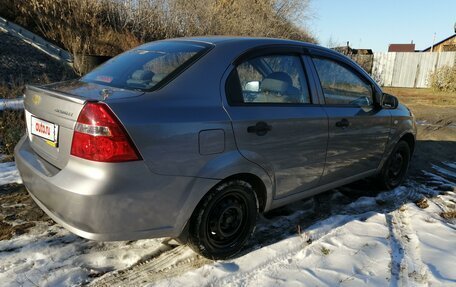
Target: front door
(275, 123)
(358, 129)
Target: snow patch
(52, 256)
(409, 246)
(9, 173)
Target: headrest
(277, 82)
(142, 75)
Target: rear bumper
(105, 201)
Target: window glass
(341, 86)
(273, 79)
(144, 67)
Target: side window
(273, 79)
(341, 86)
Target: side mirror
(389, 101)
(253, 86)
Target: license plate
(45, 130)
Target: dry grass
(429, 97)
(107, 27)
(12, 124)
(443, 79)
(325, 251)
(12, 127)
(448, 214)
(422, 203)
(7, 231)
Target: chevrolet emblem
(105, 93)
(36, 99)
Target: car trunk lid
(51, 113)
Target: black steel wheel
(395, 169)
(224, 220)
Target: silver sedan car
(192, 138)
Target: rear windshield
(145, 67)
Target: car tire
(224, 220)
(396, 166)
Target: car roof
(220, 40)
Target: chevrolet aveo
(192, 138)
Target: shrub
(12, 124)
(108, 27)
(443, 79)
(12, 127)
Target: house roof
(401, 48)
(347, 50)
(438, 43)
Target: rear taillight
(99, 136)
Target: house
(364, 57)
(401, 47)
(347, 50)
(446, 45)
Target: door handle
(260, 129)
(343, 123)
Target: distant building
(347, 50)
(446, 45)
(401, 48)
(364, 57)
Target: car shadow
(429, 153)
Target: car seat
(278, 87)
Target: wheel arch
(259, 189)
(228, 166)
(258, 186)
(407, 136)
(410, 140)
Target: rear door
(275, 121)
(358, 127)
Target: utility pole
(433, 41)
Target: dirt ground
(16, 205)
(436, 126)
(22, 63)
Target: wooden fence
(409, 70)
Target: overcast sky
(375, 24)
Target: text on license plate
(44, 129)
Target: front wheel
(224, 220)
(395, 168)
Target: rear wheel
(395, 168)
(224, 220)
